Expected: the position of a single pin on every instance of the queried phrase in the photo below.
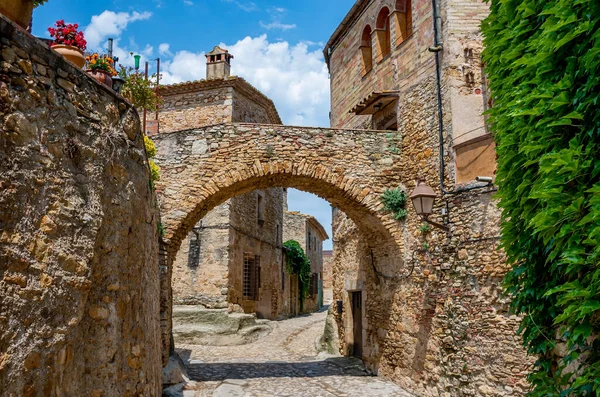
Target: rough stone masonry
(79, 286)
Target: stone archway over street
(201, 168)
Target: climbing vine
(543, 63)
(298, 263)
(394, 201)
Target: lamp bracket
(435, 224)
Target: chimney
(218, 64)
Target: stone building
(234, 254)
(446, 330)
(310, 234)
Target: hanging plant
(298, 263)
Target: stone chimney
(218, 64)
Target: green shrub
(394, 201)
(543, 63)
(298, 263)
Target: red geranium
(68, 34)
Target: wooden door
(357, 323)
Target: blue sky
(277, 47)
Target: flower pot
(71, 53)
(101, 76)
(17, 10)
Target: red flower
(68, 34)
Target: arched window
(383, 34)
(403, 19)
(366, 50)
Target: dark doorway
(357, 322)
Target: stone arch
(382, 28)
(203, 168)
(360, 203)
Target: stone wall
(261, 238)
(201, 267)
(438, 324)
(195, 109)
(79, 283)
(248, 111)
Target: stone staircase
(196, 325)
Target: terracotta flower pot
(101, 76)
(17, 10)
(71, 53)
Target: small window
(251, 276)
(194, 248)
(383, 34)
(366, 51)
(260, 205)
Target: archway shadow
(209, 372)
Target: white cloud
(188, 2)
(164, 49)
(276, 14)
(185, 66)
(293, 76)
(110, 24)
(277, 25)
(247, 6)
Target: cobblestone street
(284, 363)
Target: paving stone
(284, 363)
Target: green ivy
(298, 263)
(394, 201)
(543, 62)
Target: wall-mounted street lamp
(423, 198)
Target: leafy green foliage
(425, 228)
(37, 3)
(138, 90)
(543, 64)
(394, 201)
(298, 263)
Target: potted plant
(101, 68)
(69, 42)
(19, 10)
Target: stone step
(197, 325)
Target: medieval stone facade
(310, 234)
(439, 324)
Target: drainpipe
(436, 49)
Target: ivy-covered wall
(542, 59)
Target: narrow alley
(284, 363)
